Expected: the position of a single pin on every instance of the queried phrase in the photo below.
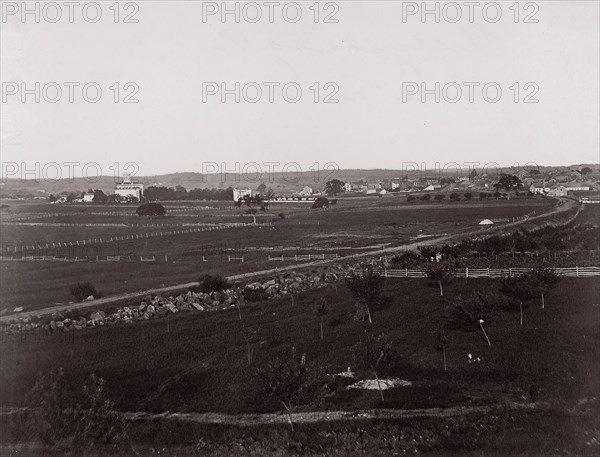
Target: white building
(241, 193)
(128, 189)
(88, 197)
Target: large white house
(128, 189)
(240, 193)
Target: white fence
(575, 272)
(303, 257)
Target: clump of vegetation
(408, 259)
(544, 279)
(289, 381)
(281, 215)
(439, 273)
(367, 289)
(320, 202)
(83, 290)
(212, 283)
(151, 209)
(470, 312)
(78, 427)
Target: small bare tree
(241, 301)
(518, 289)
(367, 289)
(470, 313)
(543, 280)
(321, 310)
(374, 354)
(252, 335)
(442, 344)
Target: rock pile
(159, 306)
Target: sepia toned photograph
(300, 228)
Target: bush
(426, 197)
(151, 209)
(477, 306)
(468, 195)
(482, 195)
(321, 202)
(83, 290)
(281, 216)
(333, 201)
(212, 283)
(439, 197)
(411, 198)
(454, 196)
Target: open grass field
(353, 225)
(198, 363)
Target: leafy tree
(469, 311)
(586, 171)
(508, 182)
(99, 196)
(320, 202)
(518, 289)
(439, 273)
(321, 310)
(367, 289)
(83, 290)
(261, 189)
(408, 259)
(468, 195)
(52, 198)
(151, 209)
(544, 279)
(334, 187)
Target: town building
(240, 193)
(129, 189)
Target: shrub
(483, 195)
(281, 216)
(454, 196)
(439, 197)
(411, 198)
(407, 259)
(83, 290)
(478, 306)
(320, 202)
(439, 273)
(212, 283)
(367, 289)
(151, 209)
(426, 197)
(333, 201)
(468, 195)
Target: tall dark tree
(334, 187)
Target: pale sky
(368, 55)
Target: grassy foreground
(197, 362)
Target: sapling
(544, 279)
(442, 344)
(440, 274)
(321, 310)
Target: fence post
(406, 272)
(385, 273)
(467, 272)
(577, 271)
(489, 273)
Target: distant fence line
(136, 236)
(303, 257)
(575, 272)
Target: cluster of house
(124, 191)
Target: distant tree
(454, 196)
(497, 195)
(151, 209)
(52, 198)
(508, 182)
(320, 202)
(83, 290)
(408, 259)
(471, 312)
(112, 199)
(333, 201)
(483, 195)
(367, 289)
(99, 196)
(429, 251)
(439, 197)
(439, 273)
(426, 197)
(473, 175)
(534, 172)
(321, 310)
(468, 195)
(586, 171)
(334, 187)
(411, 198)
(269, 194)
(281, 215)
(261, 189)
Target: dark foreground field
(197, 362)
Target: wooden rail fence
(574, 272)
